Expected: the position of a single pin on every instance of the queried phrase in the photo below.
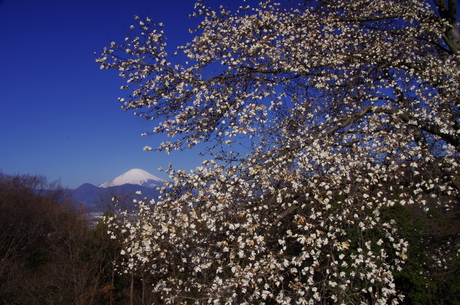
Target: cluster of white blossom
(350, 107)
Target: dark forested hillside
(49, 254)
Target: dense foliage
(333, 126)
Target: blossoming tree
(320, 116)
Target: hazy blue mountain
(124, 187)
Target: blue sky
(59, 114)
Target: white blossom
(319, 119)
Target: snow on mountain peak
(135, 176)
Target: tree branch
(404, 116)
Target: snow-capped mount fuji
(135, 176)
(98, 199)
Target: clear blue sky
(59, 114)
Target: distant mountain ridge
(125, 186)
